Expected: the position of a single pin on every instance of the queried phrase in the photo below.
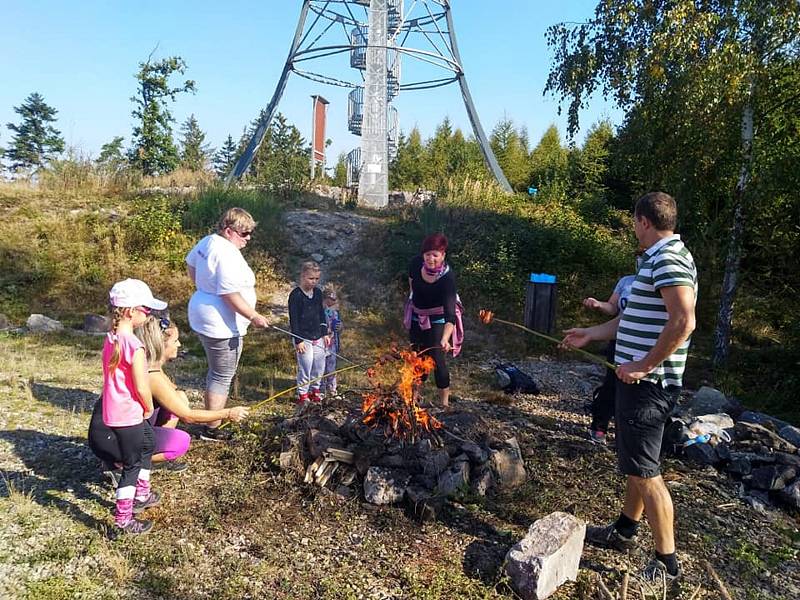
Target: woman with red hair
(433, 310)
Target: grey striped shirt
(666, 263)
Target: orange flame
(381, 407)
(485, 316)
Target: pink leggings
(173, 443)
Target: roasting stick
(487, 316)
(258, 405)
(302, 339)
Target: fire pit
(383, 444)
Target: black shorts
(642, 410)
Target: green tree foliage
(510, 147)
(153, 150)
(409, 168)
(112, 157)
(549, 164)
(35, 140)
(225, 158)
(282, 160)
(194, 150)
(697, 80)
(588, 165)
(340, 171)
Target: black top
(442, 292)
(307, 315)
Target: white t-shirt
(219, 269)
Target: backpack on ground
(512, 380)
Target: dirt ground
(234, 526)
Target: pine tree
(225, 158)
(153, 151)
(511, 149)
(194, 153)
(112, 158)
(36, 141)
(340, 171)
(549, 161)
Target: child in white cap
(127, 401)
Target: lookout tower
(377, 36)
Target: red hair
(435, 241)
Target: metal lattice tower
(376, 35)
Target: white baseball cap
(134, 292)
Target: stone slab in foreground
(547, 556)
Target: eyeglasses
(244, 234)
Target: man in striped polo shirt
(652, 336)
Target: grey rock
(759, 501)
(771, 477)
(791, 434)
(547, 556)
(758, 418)
(705, 454)
(783, 458)
(95, 323)
(457, 476)
(739, 467)
(790, 494)
(385, 486)
(760, 434)
(390, 460)
(317, 257)
(319, 441)
(422, 503)
(706, 401)
(482, 480)
(40, 324)
(323, 424)
(435, 462)
(475, 453)
(508, 465)
(753, 457)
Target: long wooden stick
(589, 355)
(257, 405)
(723, 591)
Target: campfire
(394, 408)
(381, 443)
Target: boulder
(435, 462)
(783, 458)
(705, 454)
(40, 324)
(481, 480)
(422, 504)
(385, 486)
(771, 477)
(758, 418)
(476, 454)
(508, 465)
(739, 467)
(319, 441)
(95, 323)
(547, 556)
(790, 495)
(450, 480)
(791, 434)
(706, 401)
(760, 434)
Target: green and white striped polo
(666, 263)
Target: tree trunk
(722, 334)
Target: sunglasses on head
(144, 309)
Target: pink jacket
(424, 317)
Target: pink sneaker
(314, 396)
(302, 399)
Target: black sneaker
(656, 571)
(609, 537)
(113, 476)
(216, 434)
(173, 466)
(136, 527)
(154, 499)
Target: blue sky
(82, 56)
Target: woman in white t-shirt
(223, 305)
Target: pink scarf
(424, 317)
